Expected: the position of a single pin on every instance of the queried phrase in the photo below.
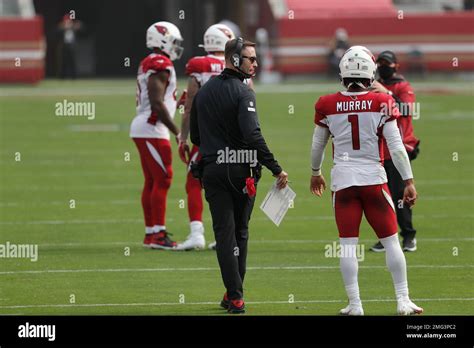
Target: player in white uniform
(357, 119)
(200, 69)
(156, 106)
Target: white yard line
(253, 241)
(291, 88)
(263, 218)
(207, 269)
(138, 185)
(135, 201)
(158, 304)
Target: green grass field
(83, 250)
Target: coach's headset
(237, 59)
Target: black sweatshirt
(223, 115)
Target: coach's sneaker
(409, 244)
(406, 307)
(352, 309)
(147, 240)
(378, 247)
(161, 240)
(212, 246)
(225, 301)
(194, 241)
(236, 307)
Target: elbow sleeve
(397, 150)
(320, 139)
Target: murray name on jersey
(353, 105)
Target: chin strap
(358, 83)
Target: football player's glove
(184, 152)
(182, 99)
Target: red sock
(146, 202)
(193, 189)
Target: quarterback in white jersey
(358, 120)
(156, 106)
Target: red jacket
(405, 97)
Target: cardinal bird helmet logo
(161, 29)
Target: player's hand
(184, 152)
(409, 194)
(282, 180)
(378, 87)
(152, 119)
(177, 137)
(182, 99)
(318, 185)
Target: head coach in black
(224, 124)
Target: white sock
(148, 230)
(350, 268)
(197, 227)
(397, 265)
(158, 228)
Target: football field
(71, 185)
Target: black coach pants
(230, 209)
(404, 213)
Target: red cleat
(147, 240)
(161, 240)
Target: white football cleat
(212, 245)
(352, 309)
(194, 241)
(406, 307)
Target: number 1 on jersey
(354, 121)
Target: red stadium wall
(22, 50)
(302, 44)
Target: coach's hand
(409, 194)
(378, 88)
(282, 180)
(318, 185)
(183, 150)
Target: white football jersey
(355, 121)
(140, 127)
(202, 68)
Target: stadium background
(83, 265)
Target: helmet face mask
(358, 63)
(177, 50)
(167, 37)
(215, 38)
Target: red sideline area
(334, 8)
(302, 43)
(22, 50)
